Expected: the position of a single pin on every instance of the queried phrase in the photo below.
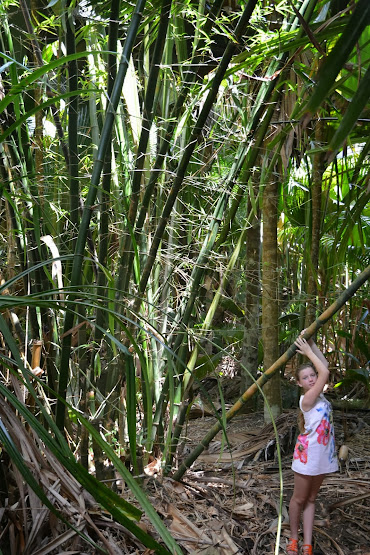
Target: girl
(314, 453)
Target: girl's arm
(309, 398)
(316, 350)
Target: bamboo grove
(181, 182)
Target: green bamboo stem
(101, 318)
(107, 172)
(73, 169)
(210, 241)
(90, 200)
(248, 155)
(192, 290)
(182, 167)
(289, 353)
(148, 115)
(188, 377)
(240, 29)
(190, 77)
(198, 270)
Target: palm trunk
(318, 169)
(249, 354)
(270, 310)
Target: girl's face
(307, 378)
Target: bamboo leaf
(139, 494)
(17, 458)
(335, 61)
(40, 107)
(131, 95)
(4, 66)
(120, 509)
(37, 74)
(353, 112)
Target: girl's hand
(303, 347)
(310, 341)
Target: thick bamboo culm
(36, 355)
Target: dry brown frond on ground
(228, 503)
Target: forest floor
(228, 502)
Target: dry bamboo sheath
(235, 409)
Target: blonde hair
(300, 422)
(300, 417)
(302, 367)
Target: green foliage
(353, 376)
(183, 119)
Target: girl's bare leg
(309, 508)
(301, 493)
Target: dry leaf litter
(227, 503)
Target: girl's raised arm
(315, 349)
(321, 366)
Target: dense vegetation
(180, 182)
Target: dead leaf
(244, 510)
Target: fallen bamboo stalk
(348, 501)
(236, 408)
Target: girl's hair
(300, 422)
(300, 418)
(302, 367)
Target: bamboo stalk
(190, 77)
(101, 316)
(289, 353)
(182, 167)
(144, 136)
(181, 171)
(107, 174)
(210, 243)
(73, 169)
(90, 200)
(188, 374)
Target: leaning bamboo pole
(258, 384)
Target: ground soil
(232, 500)
(229, 501)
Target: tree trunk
(270, 312)
(318, 169)
(249, 357)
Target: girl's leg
(301, 493)
(309, 508)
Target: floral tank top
(315, 451)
